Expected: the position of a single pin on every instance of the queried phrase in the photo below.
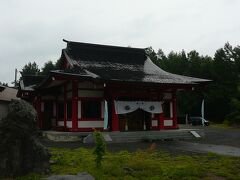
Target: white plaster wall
(61, 123)
(90, 124)
(168, 122)
(69, 124)
(171, 109)
(154, 122)
(79, 110)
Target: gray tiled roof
(113, 63)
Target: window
(166, 109)
(69, 110)
(60, 110)
(91, 109)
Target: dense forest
(222, 95)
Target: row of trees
(222, 95)
(33, 68)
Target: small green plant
(100, 148)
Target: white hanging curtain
(124, 107)
(105, 122)
(152, 106)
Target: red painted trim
(161, 121)
(65, 105)
(115, 120)
(74, 105)
(85, 129)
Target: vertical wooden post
(115, 120)
(65, 106)
(74, 105)
(160, 121)
(174, 107)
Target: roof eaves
(109, 47)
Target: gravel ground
(227, 142)
(218, 136)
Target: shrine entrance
(47, 116)
(138, 120)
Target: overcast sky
(33, 30)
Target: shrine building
(108, 88)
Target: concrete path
(204, 148)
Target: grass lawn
(148, 164)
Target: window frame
(83, 118)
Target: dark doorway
(137, 119)
(47, 116)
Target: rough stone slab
(107, 138)
(88, 139)
(195, 134)
(79, 176)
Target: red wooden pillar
(74, 105)
(115, 120)
(160, 121)
(65, 106)
(174, 108)
(56, 109)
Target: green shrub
(100, 148)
